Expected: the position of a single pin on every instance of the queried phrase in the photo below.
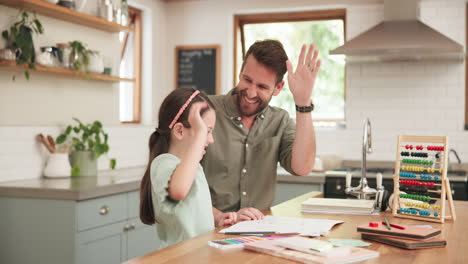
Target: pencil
(388, 224)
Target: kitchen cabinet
(69, 15)
(287, 190)
(100, 230)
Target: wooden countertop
(196, 250)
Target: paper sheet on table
(280, 224)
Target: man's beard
(261, 104)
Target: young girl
(174, 192)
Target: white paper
(279, 224)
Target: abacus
(421, 186)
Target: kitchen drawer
(101, 211)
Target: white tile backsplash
(22, 157)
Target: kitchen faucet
(363, 191)
(456, 156)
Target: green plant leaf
(61, 138)
(75, 171)
(113, 163)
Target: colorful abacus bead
(436, 214)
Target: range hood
(401, 37)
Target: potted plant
(88, 143)
(80, 55)
(19, 39)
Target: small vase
(58, 165)
(86, 161)
(96, 64)
(7, 54)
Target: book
(338, 205)
(272, 247)
(405, 243)
(410, 232)
(314, 246)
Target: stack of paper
(278, 224)
(328, 205)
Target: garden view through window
(328, 94)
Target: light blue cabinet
(101, 230)
(286, 191)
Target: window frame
(466, 70)
(137, 23)
(240, 20)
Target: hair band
(182, 109)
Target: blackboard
(198, 67)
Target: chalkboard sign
(198, 67)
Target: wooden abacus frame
(446, 192)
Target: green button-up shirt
(241, 164)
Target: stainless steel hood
(401, 37)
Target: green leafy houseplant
(86, 137)
(80, 54)
(20, 39)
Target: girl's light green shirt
(179, 220)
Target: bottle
(124, 21)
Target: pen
(251, 233)
(387, 223)
(395, 226)
(282, 234)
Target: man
(251, 136)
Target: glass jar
(63, 54)
(124, 20)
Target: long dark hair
(160, 140)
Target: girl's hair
(160, 140)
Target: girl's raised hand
(195, 119)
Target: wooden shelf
(67, 73)
(62, 13)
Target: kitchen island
(196, 250)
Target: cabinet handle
(104, 210)
(129, 227)
(338, 187)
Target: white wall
(400, 98)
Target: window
(130, 67)
(466, 74)
(324, 28)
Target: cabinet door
(141, 239)
(103, 245)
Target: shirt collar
(233, 111)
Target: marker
(259, 233)
(395, 226)
(388, 224)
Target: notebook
(338, 205)
(407, 244)
(410, 232)
(272, 247)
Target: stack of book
(346, 206)
(403, 236)
(306, 250)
